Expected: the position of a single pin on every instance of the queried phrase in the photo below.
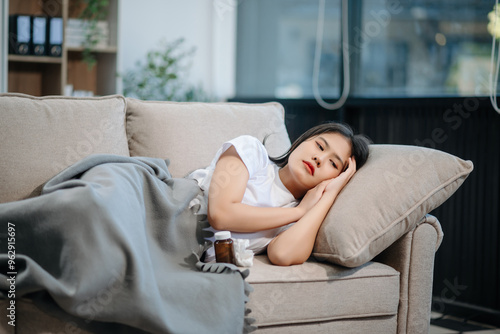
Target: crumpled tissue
(242, 256)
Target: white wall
(208, 25)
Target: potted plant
(160, 77)
(93, 12)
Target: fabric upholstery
(41, 136)
(31, 319)
(385, 199)
(326, 292)
(410, 257)
(419, 304)
(4, 326)
(189, 134)
(375, 325)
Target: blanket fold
(111, 240)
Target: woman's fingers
(340, 181)
(352, 167)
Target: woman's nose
(317, 160)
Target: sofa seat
(369, 292)
(333, 299)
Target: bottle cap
(222, 235)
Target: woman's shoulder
(247, 139)
(251, 151)
(248, 144)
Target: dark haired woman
(280, 203)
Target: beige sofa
(386, 290)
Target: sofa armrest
(413, 256)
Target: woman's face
(319, 158)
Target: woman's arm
(225, 210)
(294, 246)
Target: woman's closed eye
(333, 164)
(320, 146)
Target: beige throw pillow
(40, 136)
(385, 199)
(190, 133)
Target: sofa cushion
(386, 198)
(41, 136)
(189, 134)
(317, 292)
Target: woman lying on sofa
(280, 203)
(110, 240)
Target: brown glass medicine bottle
(223, 247)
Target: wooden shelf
(45, 75)
(109, 49)
(35, 59)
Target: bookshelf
(47, 75)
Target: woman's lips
(309, 167)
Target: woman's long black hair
(359, 143)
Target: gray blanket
(112, 244)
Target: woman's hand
(338, 183)
(294, 246)
(312, 196)
(334, 186)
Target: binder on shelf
(39, 35)
(55, 36)
(20, 34)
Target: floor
(448, 325)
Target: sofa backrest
(190, 133)
(40, 136)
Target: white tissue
(242, 256)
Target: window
(397, 48)
(424, 48)
(276, 45)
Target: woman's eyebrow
(334, 153)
